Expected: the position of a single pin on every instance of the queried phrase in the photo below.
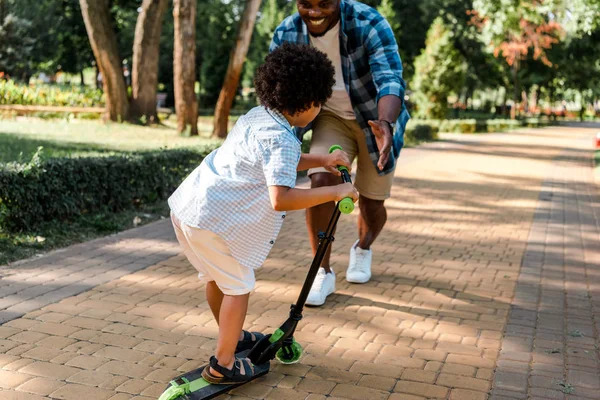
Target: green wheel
(290, 354)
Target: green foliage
(12, 92)
(16, 44)
(440, 71)
(66, 188)
(216, 25)
(421, 132)
(55, 38)
(272, 12)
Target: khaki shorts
(329, 129)
(210, 255)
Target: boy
(228, 211)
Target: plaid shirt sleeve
(386, 66)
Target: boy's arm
(284, 198)
(329, 161)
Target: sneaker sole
(319, 304)
(358, 280)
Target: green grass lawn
(19, 140)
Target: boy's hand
(346, 190)
(338, 157)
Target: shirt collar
(280, 119)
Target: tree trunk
(98, 24)
(146, 46)
(236, 62)
(81, 77)
(515, 74)
(184, 66)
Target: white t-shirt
(329, 43)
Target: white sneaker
(322, 287)
(359, 269)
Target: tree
(271, 14)
(184, 66)
(236, 62)
(514, 31)
(439, 72)
(579, 67)
(146, 44)
(97, 20)
(15, 44)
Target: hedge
(63, 188)
(12, 93)
(477, 126)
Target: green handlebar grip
(334, 148)
(346, 205)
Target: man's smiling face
(319, 15)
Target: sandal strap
(244, 367)
(241, 367)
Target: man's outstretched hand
(383, 138)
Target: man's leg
(371, 220)
(328, 129)
(373, 189)
(317, 218)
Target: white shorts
(211, 257)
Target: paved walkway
(486, 285)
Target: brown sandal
(242, 371)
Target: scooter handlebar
(345, 205)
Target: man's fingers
(383, 159)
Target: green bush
(459, 125)
(64, 188)
(420, 132)
(477, 125)
(49, 95)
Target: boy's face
(319, 15)
(306, 117)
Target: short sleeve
(280, 161)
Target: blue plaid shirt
(228, 193)
(371, 67)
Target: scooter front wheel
(290, 354)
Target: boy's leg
(227, 292)
(232, 316)
(214, 296)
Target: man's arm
(386, 70)
(388, 110)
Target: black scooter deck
(202, 390)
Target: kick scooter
(281, 344)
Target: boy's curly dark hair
(293, 78)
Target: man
(365, 115)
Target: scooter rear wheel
(290, 354)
